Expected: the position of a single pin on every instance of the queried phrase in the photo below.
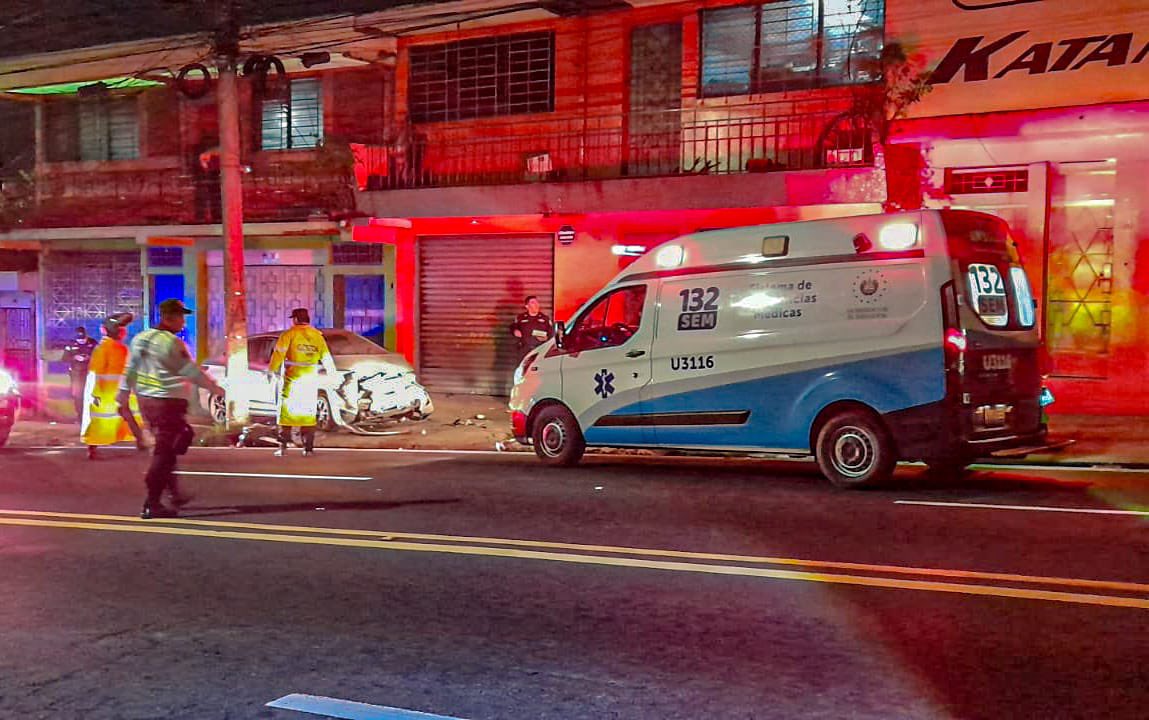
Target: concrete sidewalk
(477, 422)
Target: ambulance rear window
(978, 236)
(989, 268)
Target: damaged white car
(372, 388)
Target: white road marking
(353, 478)
(1032, 508)
(348, 709)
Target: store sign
(971, 56)
(995, 55)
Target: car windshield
(347, 344)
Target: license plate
(996, 361)
(995, 417)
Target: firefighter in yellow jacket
(105, 422)
(299, 355)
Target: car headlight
(7, 382)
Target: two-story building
(541, 152)
(116, 205)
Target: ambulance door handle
(635, 353)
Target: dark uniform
(78, 353)
(534, 330)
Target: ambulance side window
(610, 322)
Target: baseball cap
(116, 321)
(301, 314)
(171, 306)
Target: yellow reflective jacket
(102, 422)
(298, 355)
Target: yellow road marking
(832, 578)
(646, 552)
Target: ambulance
(862, 341)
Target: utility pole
(231, 188)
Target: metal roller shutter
(470, 289)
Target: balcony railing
(67, 196)
(762, 137)
(718, 139)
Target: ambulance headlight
(898, 236)
(670, 256)
(521, 370)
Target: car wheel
(324, 419)
(854, 450)
(217, 406)
(557, 437)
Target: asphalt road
(485, 586)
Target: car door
(263, 384)
(606, 365)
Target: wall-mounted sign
(997, 55)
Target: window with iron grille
(487, 77)
(790, 44)
(99, 129)
(356, 254)
(295, 119)
(975, 182)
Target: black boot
(157, 510)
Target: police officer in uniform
(531, 328)
(160, 371)
(78, 353)
(299, 355)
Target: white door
(263, 385)
(606, 366)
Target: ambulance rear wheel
(854, 450)
(557, 437)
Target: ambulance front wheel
(854, 450)
(557, 437)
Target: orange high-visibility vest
(102, 422)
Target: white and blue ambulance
(862, 341)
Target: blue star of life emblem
(604, 383)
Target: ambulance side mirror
(560, 334)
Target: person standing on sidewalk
(160, 372)
(106, 422)
(531, 328)
(299, 355)
(78, 353)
